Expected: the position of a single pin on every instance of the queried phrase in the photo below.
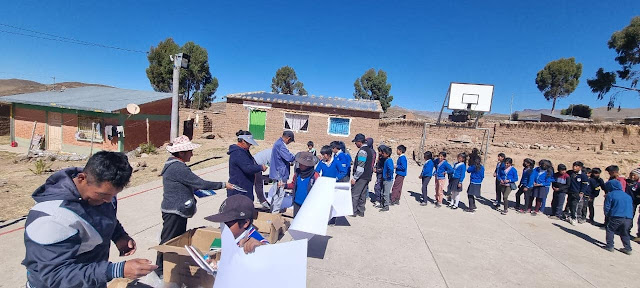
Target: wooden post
(148, 131)
(33, 133)
(93, 136)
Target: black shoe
(354, 215)
(397, 202)
(423, 203)
(608, 249)
(438, 205)
(383, 209)
(361, 214)
(626, 251)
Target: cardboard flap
(200, 238)
(171, 249)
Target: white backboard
(466, 96)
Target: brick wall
(5, 120)
(70, 127)
(208, 122)
(136, 133)
(159, 107)
(24, 122)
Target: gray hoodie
(179, 184)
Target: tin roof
(89, 98)
(567, 118)
(314, 101)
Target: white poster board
(313, 216)
(467, 96)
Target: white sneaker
(572, 222)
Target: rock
(134, 164)
(208, 136)
(144, 155)
(154, 170)
(599, 153)
(143, 164)
(616, 152)
(135, 169)
(567, 147)
(3, 182)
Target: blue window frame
(339, 126)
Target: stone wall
(5, 120)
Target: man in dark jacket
(242, 166)
(618, 208)
(362, 172)
(68, 232)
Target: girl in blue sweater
(477, 175)
(539, 182)
(427, 173)
(442, 168)
(508, 182)
(455, 182)
(387, 178)
(522, 188)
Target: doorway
(187, 129)
(257, 123)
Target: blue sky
(422, 46)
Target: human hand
(264, 168)
(353, 181)
(525, 189)
(249, 244)
(459, 185)
(494, 174)
(556, 189)
(280, 184)
(126, 245)
(136, 268)
(229, 186)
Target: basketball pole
(446, 98)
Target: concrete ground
(409, 246)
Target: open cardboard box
(178, 266)
(271, 226)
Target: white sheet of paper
(313, 216)
(342, 203)
(287, 260)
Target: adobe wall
(5, 122)
(207, 122)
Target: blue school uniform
(401, 165)
(387, 170)
(442, 169)
(511, 176)
(526, 175)
(476, 176)
(330, 170)
(539, 176)
(459, 171)
(427, 169)
(343, 163)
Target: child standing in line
(528, 164)
(427, 173)
(560, 188)
(303, 179)
(508, 182)
(596, 184)
(387, 178)
(583, 201)
(342, 161)
(327, 167)
(477, 175)
(455, 182)
(633, 189)
(377, 188)
(311, 149)
(401, 172)
(540, 180)
(498, 174)
(579, 184)
(442, 168)
(618, 208)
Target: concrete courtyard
(409, 246)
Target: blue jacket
(281, 160)
(511, 176)
(387, 170)
(242, 170)
(67, 240)
(330, 170)
(526, 175)
(459, 171)
(427, 169)
(499, 169)
(476, 176)
(401, 166)
(343, 163)
(442, 168)
(579, 182)
(539, 177)
(617, 203)
(595, 186)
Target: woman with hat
(179, 183)
(303, 179)
(242, 166)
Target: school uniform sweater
(539, 176)
(499, 169)
(595, 185)
(343, 163)
(526, 174)
(510, 175)
(561, 181)
(427, 169)
(401, 165)
(442, 169)
(328, 170)
(459, 170)
(617, 203)
(387, 170)
(579, 182)
(477, 175)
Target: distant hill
(21, 86)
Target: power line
(53, 37)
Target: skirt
(540, 192)
(453, 185)
(474, 189)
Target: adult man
(618, 209)
(68, 232)
(362, 171)
(281, 159)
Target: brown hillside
(21, 86)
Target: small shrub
(40, 167)
(148, 148)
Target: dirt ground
(17, 182)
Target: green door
(257, 121)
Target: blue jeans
(620, 226)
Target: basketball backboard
(472, 97)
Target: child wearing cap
(303, 179)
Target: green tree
(626, 43)
(197, 86)
(372, 86)
(579, 110)
(558, 79)
(286, 82)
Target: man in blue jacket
(618, 208)
(281, 159)
(69, 231)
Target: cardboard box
(178, 266)
(271, 226)
(126, 283)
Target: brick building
(64, 118)
(312, 118)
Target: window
(84, 129)
(339, 126)
(296, 122)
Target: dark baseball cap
(236, 207)
(289, 133)
(360, 138)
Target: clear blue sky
(422, 46)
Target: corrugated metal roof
(568, 118)
(305, 100)
(89, 98)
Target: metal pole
(443, 104)
(148, 131)
(174, 98)
(511, 109)
(93, 135)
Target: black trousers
(620, 226)
(572, 204)
(518, 195)
(172, 226)
(591, 209)
(498, 192)
(472, 202)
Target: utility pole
(54, 83)
(511, 108)
(180, 60)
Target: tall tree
(286, 82)
(558, 79)
(197, 86)
(579, 110)
(372, 86)
(626, 43)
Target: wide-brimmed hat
(235, 207)
(181, 143)
(306, 159)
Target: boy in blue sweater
(497, 173)
(455, 182)
(442, 168)
(618, 208)
(387, 178)
(477, 175)
(328, 167)
(528, 164)
(427, 173)
(401, 172)
(342, 161)
(508, 181)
